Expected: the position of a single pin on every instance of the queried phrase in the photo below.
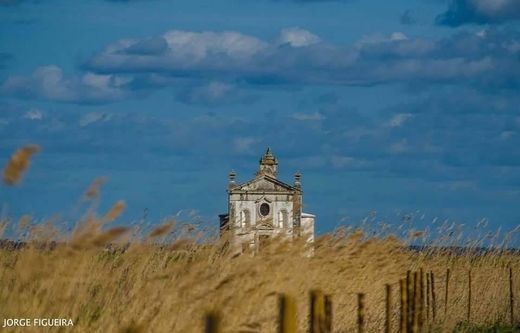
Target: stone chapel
(265, 207)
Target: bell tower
(268, 164)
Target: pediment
(264, 183)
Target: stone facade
(265, 207)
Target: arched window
(283, 219)
(245, 219)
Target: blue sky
(393, 107)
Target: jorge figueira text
(37, 322)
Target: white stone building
(265, 207)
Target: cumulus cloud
(186, 53)
(298, 56)
(50, 83)
(227, 60)
(479, 12)
(148, 46)
(297, 37)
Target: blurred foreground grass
(108, 283)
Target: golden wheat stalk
(115, 211)
(161, 230)
(109, 236)
(94, 188)
(18, 164)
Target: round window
(264, 209)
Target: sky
(389, 109)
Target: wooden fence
(417, 307)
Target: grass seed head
(161, 230)
(94, 189)
(115, 211)
(109, 236)
(416, 234)
(19, 163)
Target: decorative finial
(232, 177)
(298, 179)
(268, 164)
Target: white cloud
(93, 117)
(316, 116)
(196, 46)
(33, 114)
(480, 12)
(398, 36)
(399, 119)
(129, 66)
(482, 33)
(379, 38)
(297, 37)
(49, 82)
(304, 58)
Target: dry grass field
(115, 279)
(167, 288)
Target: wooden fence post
(328, 313)
(427, 298)
(403, 322)
(469, 296)
(511, 297)
(416, 303)
(434, 297)
(388, 309)
(317, 318)
(410, 299)
(287, 314)
(212, 322)
(447, 293)
(361, 313)
(421, 297)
